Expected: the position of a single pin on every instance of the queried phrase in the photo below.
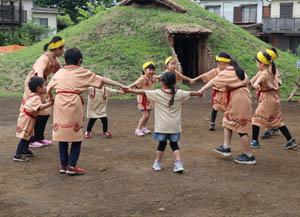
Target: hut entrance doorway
(189, 45)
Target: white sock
(226, 146)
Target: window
(216, 9)
(42, 21)
(249, 13)
(286, 10)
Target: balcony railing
(281, 25)
(9, 17)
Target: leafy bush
(64, 21)
(31, 33)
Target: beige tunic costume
(144, 83)
(268, 111)
(97, 101)
(167, 119)
(27, 116)
(238, 113)
(218, 96)
(43, 67)
(69, 83)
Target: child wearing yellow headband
(238, 110)
(44, 66)
(171, 65)
(217, 98)
(268, 111)
(274, 55)
(146, 82)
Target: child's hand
(256, 86)
(125, 89)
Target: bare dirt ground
(120, 181)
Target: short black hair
(35, 82)
(72, 56)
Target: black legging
(162, 146)
(92, 121)
(213, 116)
(39, 129)
(22, 147)
(284, 130)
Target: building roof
(185, 29)
(169, 4)
(45, 10)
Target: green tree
(74, 7)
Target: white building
(239, 12)
(283, 25)
(42, 16)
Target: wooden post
(12, 14)
(2, 15)
(20, 13)
(296, 89)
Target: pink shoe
(46, 142)
(107, 134)
(36, 145)
(87, 135)
(139, 132)
(146, 131)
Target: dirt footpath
(120, 182)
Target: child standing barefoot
(69, 82)
(268, 111)
(96, 109)
(28, 115)
(217, 97)
(167, 105)
(145, 82)
(238, 111)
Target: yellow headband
(146, 64)
(169, 59)
(223, 59)
(58, 44)
(261, 57)
(272, 54)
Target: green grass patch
(116, 42)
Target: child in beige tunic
(167, 105)
(268, 111)
(218, 97)
(44, 66)
(274, 55)
(96, 109)
(145, 82)
(27, 118)
(238, 111)
(171, 65)
(69, 82)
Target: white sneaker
(146, 130)
(156, 166)
(178, 168)
(139, 132)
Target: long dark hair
(238, 70)
(269, 58)
(53, 40)
(169, 79)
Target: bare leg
(177, 155)
(227, 137)
(144, 119)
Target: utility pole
(20, 13)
